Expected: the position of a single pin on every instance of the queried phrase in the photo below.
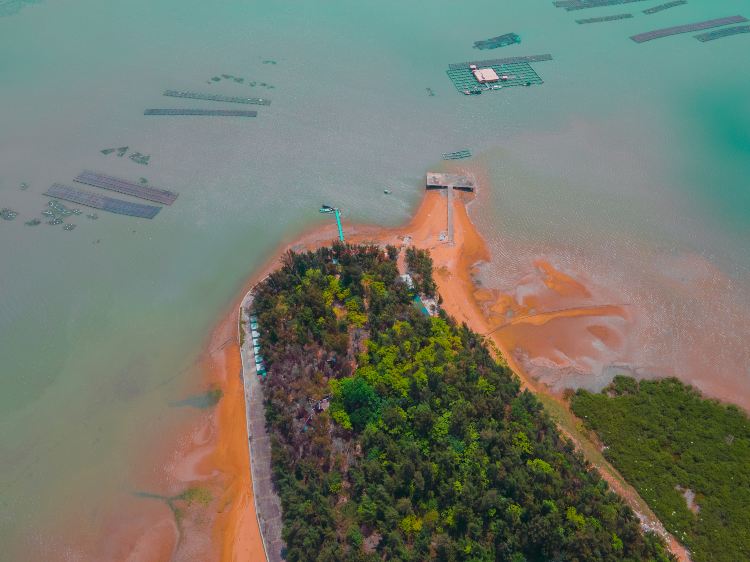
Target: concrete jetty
(687, 28)
(126, 187)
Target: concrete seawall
(267, 503)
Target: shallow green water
(625, 153)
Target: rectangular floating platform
(606, 18)
(662, 7)
(708, 24)
(457, 155)
(498, 62)
(90, 199)
(719, 33)
(519, 74)
(215, 97)
(126, 187)
(499, 41)
(572, 5)
(436, 180)
(203, 112)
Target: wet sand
(212, 452)
(485, 311)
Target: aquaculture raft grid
(571, 5)
(606, 18)
(497, 62)
(659, 33)
(662, 7)
(202, 112)
(519, 74)
(215, 97)
(89, 199)
(457, 155)
(719, 33)
(128, 188)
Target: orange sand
(481, 309)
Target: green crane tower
(328, 210)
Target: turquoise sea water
(630, 163)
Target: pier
(662, 7)
(606, 18)
(90, 199)
(719, 33)
(203, 112)
(126, 187)
(215, 97)
(708, 24)
(449, 182)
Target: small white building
(406, 278)
(484, 75)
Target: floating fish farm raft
(202, 112)
(512, 71)
(89, 199)
(499, 41)
(126, 187)
(457, 155)
(719, 33)
(606, 18)
(498, 62)
(215, 97)
(659, 33)
(662, 7)
(571, 5)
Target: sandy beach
(484, 311)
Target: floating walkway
(202, 112)
(662, 7)
(719, 33)
(572, 5)
(659, 33)
(126, 187)
(499, 62)
(90, 199)
(458, 155)
(215, 97)
(499, 41)
(606, 18)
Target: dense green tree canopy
(670, 443)
(396, 436)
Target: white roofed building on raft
(484, 75)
